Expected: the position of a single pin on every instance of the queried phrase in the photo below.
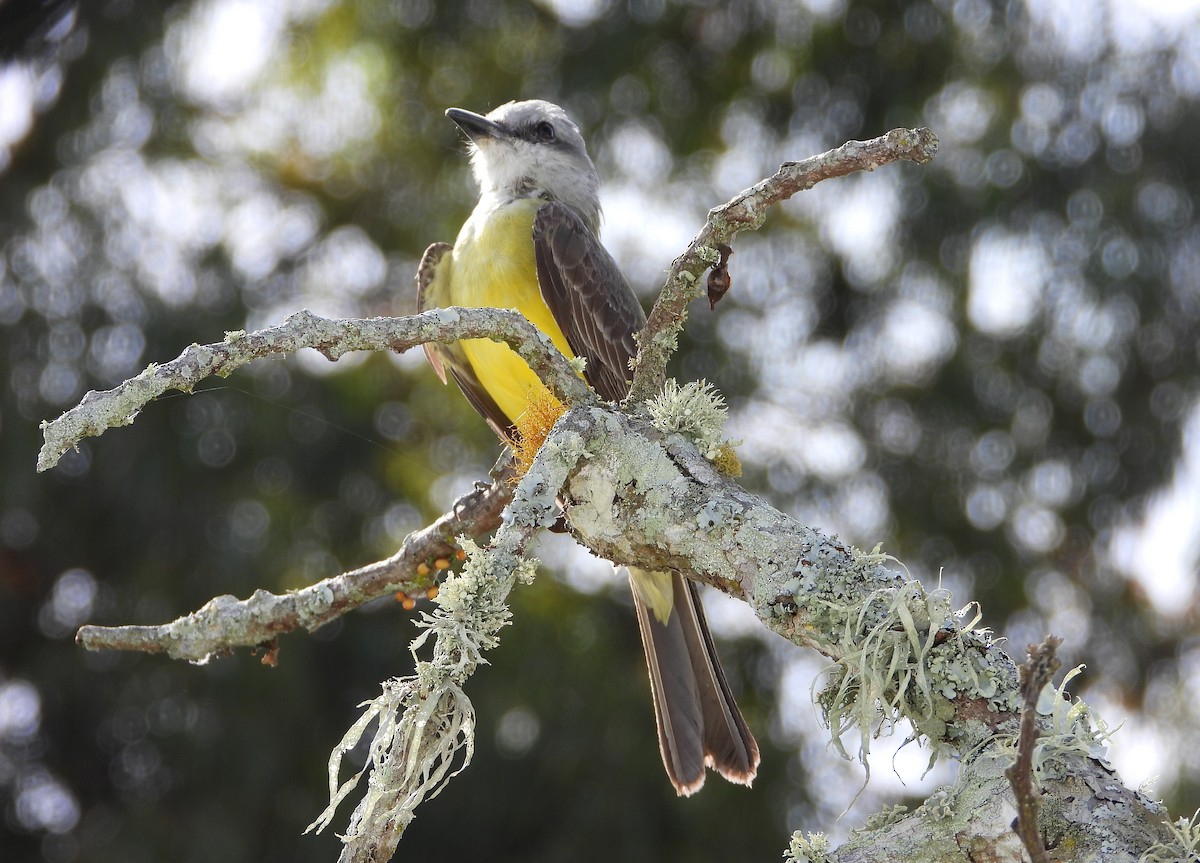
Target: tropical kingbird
(532, 244)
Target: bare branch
(748, 211)
(1035, 674)
(99, 411)
(225, 622)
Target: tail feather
(699, 723)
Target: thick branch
(225, 622)
(748, 211)
(119, 406)
(656, 501)
(899, 652)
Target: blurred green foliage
(987, 364)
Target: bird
(532, 243)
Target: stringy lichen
(1184, 844)
(892, 666)
(1071, 730)
(426, 721)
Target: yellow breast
(493, 266)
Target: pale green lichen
(1184, 844)
(472, 611)
(938, 805)
(567, 447)
(717, 514)
(694, 410)
(614, 499)
(875, 557)
(426, 722)
(808, 848)
(897, 665)
(535, 495)
(413, 754)
(534, 499)
(885, 817)
(974, 672)
(1074, 731)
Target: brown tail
(699, 723)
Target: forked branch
(226, 622)
(746, 212)
(100, 411)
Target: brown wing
(433, 293)
(427, 299)
(589, 298)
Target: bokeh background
(991, 365)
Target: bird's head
(525, 149)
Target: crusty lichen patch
(616, 499)
(900, 652)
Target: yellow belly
(493, 266)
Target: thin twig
(99, 411)
(1035, 674)
(748, 211)
(225, 622)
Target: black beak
(475, 126)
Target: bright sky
(16, 108)
(1162, 550)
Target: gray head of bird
(532, 149)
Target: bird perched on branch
(532, 244)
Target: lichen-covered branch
(900, 653)
(226, 622)
(638, 490)
(653, 499)
(99, 411)
(426, 722)
(746, 212)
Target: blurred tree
(990, 366)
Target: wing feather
(589, 298)
(428, 290)
(433, 292)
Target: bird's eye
(544, 131)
